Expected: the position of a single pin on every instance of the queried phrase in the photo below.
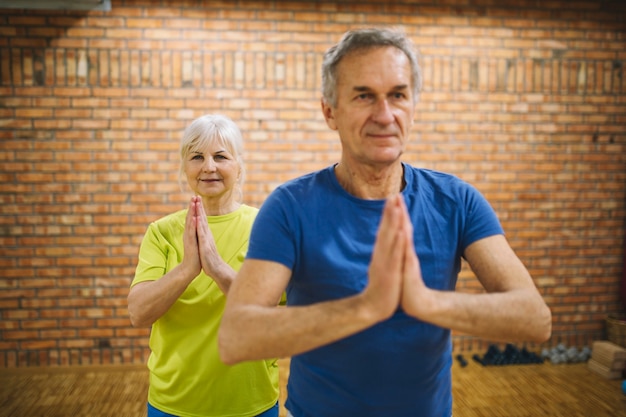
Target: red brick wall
(527, 102)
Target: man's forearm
(253, 332)
(513, 316)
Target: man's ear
(327, 111)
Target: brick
(523, 102)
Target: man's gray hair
(363, 39)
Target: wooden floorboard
(544, 390)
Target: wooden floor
(510, 391)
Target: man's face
(375, 105)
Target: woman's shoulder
(170, 220)
(248, 211)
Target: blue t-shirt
(399, 367)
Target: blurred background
(526, 100)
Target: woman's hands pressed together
(191, 256)
(201, 245)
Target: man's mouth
(382, 134)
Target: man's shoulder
(434, 178)
(305, 183)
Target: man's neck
(371, 182)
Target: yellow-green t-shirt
(187, 377)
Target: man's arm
(254, 327)
(511, 310)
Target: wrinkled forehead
(374, 65)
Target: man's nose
(382, 112)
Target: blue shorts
(291, 415)
(153, 412)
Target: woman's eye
(197, 157)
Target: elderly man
(368, 251)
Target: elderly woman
(187, 261)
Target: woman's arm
(149, 300)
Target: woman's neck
(218, 207)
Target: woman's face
(212, 172)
